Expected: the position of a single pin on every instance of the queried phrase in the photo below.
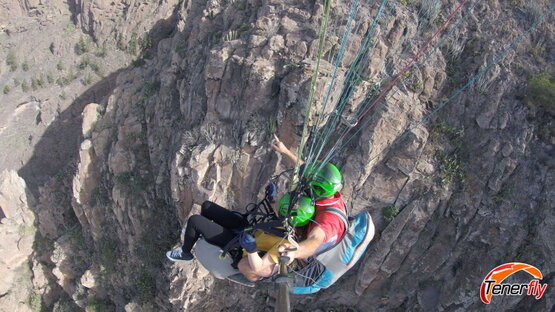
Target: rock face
(126, 163)
(18, 234)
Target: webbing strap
(340, 213)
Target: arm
(255, 261)
(253, 266)
(281, 148)
(307, 247)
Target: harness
(260, 216)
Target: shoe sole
(247, 284)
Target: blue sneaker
(178, 255)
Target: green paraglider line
(392, 83)
(471, 80)
(321, 41)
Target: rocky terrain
(119, 118)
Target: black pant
(216, 224)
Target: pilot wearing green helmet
(323, 229)
(302, 211)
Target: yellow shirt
(268, 243)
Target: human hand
(272, 192)
(279, 146)
(248, 242)
(287, 250)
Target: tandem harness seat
(319, 271)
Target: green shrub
(7, 89)
(102, 51)
(180, 48)
(108, 252)
(541, 92)
(85, 61)
(121, 44)
(99, 196)
(40, 81)
(151, 87)
(94, 66)
(442, 130)
(131, 181)
(146, 286)
(99, 307)
(87, 79)
(49, 78)
(451, 169)
(25, 66)
(82, 46)
(35, 302)
(390, 212)
(70, 27)
(24, 86)
(132, 45)
(11, 60)
(60, 66)
(76, 237)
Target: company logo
(493, 282)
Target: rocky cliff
(127, 115)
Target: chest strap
(340, 213)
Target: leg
(211, 231)
(245, 268)
(253, 271)
(222, 216)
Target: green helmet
(302, 212)
(325, 182)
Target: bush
(24, 86)
(7, 89)
(131, 181)
(87, 79)
(102, 50)
(541, 92)
(76, 237)
(82, 46)
(99, 307)
(25, 66)
(35, 302)
(146, 286)
(151, 87)
(451, 169)
(85, 61)
(95, 67)
(180, 48)
(11, 60)
(108, 251)
(132, 46)
(390, 212)
(99, 196)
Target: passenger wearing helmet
(216, 224)
(261, 250)
(325, 183)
